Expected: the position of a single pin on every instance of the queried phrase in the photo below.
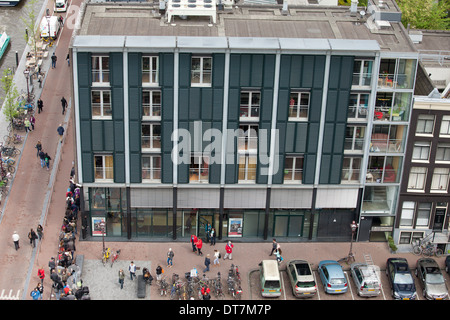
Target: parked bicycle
(14, 139)
(427, 249)
(9, 163)
(114, 257)
(9, 151)
(106, 253)
(163, 285)
(218, 290)
(16, 124)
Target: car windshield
(59, 4)
(403, 278)
(271, 284)
(371, 285)
(305, 284)
(435, 278)
(337, 281)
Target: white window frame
(253, 109)
(421, 151)
(417, 179)
(248, 138)
(360, 110)
(445, 127)
(103, 169)
(293, 171)
(355, 140)
(249, 159)
(152, 169)
(424, 122)
(151, 137)
(154, 109)
(153, 74)
(100, 71)
(423, 214)
(361, 74)
(199, 70)
(199, 169)
(443, 149)
(102, 105)
(407, 215)
(297, 109)
(350, 170)
(439, 181)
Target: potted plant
(392, 247)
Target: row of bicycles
(109, 255)
(202, 288)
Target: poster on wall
(96, 225)
(235, 227)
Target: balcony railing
(362, 79)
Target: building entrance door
(439, 218)
(204, 218)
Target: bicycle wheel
(16, 152)
(427, 252)
(7, 139)
(439, 252)
(11, 169)
(417, 250)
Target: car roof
(368, 271)
(333, 267)
(428, 262)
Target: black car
(400, 278)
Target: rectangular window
(104, 167)
(299, 106)
(358, 106)
(351, 170)
(417, 178)
(250, 105)
(406, 218)
(199, 169)
(151, 136)
(440, 179)
(101, 104)
(421, 151)
(425, 124)
(151, 167)
(354, 139)
(445, 127)
(100, 70)
(151, 104)
(423, 214)
(247, 168)
(362, 72)
(293, 169)
(150, 67)
(443, 152)
(248, 137)
(201, 71)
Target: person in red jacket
(199, 245)
(41, 274)
(193, 241)
(229, 250)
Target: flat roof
(256, 25)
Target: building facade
(259, 137)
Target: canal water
(12, 24)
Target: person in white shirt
(16, 239)
(132, 269)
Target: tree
(425, 14)
(11, 102)
(29, 20)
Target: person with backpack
(32, 236)
(170, 256)
(47, 160)
(36, 294)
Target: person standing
(47, 160)
(229, 250)
(32, 122)
(68, 59)
(170, 255)
(60, 131)
(27, 124)
(54, 58)
(199, 245)
(207, 263)
(63, 104)
(40, 232)
(193, 241)
(159, 272)
(213, 236)
(51, 265)
(132, 269)
(35, 294)
(16, 239)
(42, 158)
(40, 105)
(121, 278)
(38, 147)
(216, 257)
(41, 274)
(32, 236)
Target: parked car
(447, 264)
(400, 279)
(366, 279)
(302, 279)
(431, 279)
(332, 277)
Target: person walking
(279, 257)
(275, 246)
(229, 250)
(27, 125)
(51, 265)
(207, 263)
(132, 269)
(121, 278)
(170, 255)
(213, 237)
(68, 59)
(40, 105)
(40, 288)
(47, 160)
(16, 239)
(41, 274)
(32, 122)
(36, 294)
(63, 104)
(199, 245)
(32, 236)
(54, 58)
(193, 241)
(216, 258)
(42, 158)
(38, 146)
(60, 131)
(40, 231)
(159, 272)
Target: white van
(50, 23)
(60, 6)
(270, 278)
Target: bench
(141, 287)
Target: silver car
(301, 277)
(366, 279)
(431, 279)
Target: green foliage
(392, 244)
(29, 20)
(425, 14)
(361, 3)
(10, 103)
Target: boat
(9, 3)
(4, 41)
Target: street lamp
(26, 73)
(350, 257)
(102, 227)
